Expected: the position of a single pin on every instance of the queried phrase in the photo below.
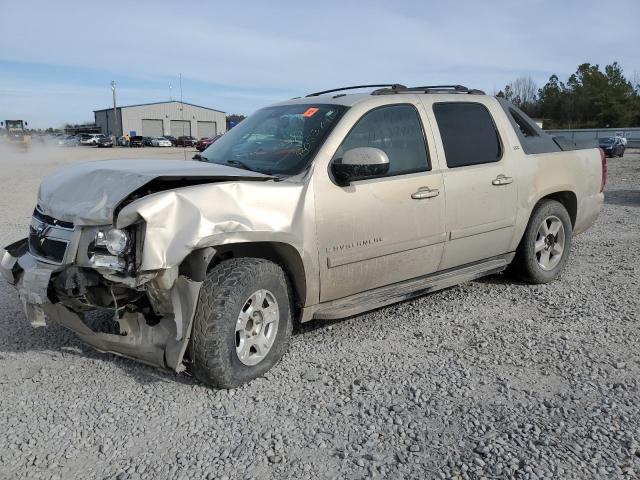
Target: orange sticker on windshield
(310, 112)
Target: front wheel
(545, 245)
(242, 323)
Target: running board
(398, 292)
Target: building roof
(159, 103)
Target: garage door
(152, 128)
(180, 128)
(207, 129)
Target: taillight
(603, 159)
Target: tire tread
(212, 314)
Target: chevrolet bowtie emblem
(42, 230)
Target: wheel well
(568, 200)
(282, 254)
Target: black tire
(526, 264)
(222, 297)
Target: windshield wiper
(244, 166)
(238, 163)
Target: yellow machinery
(16, 133)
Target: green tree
(590, 98)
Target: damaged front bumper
(161, 342)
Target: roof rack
(428, 89)
(389, 85)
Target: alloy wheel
(550, 243)
(257, 327)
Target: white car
(91, 138)
(68, 141)
(160, 142)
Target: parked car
(612, 146)
(171, 138)
(136, 141)
(68, 141)
(147, 141)
(320, 207)
(105, 142)
(203, 143)
(90, 138)
(186, 141)
(161, 142)
(122, 141)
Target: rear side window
(468, 133)
(395, 129)
(525, 128)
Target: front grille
(49, 238)
(47, 248)
(37, 214)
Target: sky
(58, 58)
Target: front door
(480, 183)
(380, 231)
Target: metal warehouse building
(162, 118)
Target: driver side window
(395, 129)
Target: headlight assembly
(116, 241)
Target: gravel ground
(490, 379)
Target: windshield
(14, 124)
(277, 140)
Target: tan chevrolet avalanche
(319, 207)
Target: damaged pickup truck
(320, 207)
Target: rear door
(479, 179)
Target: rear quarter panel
(543, 174)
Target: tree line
(590, 98)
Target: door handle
(425, 192)
(502, 180)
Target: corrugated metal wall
(132, 117)
(104, 120)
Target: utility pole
(115, 112)
(184, 149)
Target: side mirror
(360, 163)
(197, 157)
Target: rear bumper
(162, 344)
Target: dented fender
(183, 220)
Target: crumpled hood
(88, 193)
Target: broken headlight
(111, 249)
(116, 241)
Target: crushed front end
(65, 273)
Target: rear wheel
(243, 322)
(544, 248)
